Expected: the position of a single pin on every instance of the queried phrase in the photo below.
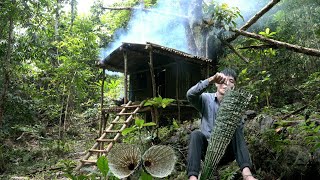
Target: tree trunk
(73, 4)
(56, 23)
(195, 16)
(5, 68)
(184, 6)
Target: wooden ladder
(98, 147)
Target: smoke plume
(149, 26)
(167, 30)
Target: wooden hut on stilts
(150, 70)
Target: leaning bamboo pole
(228, 118)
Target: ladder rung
(98, 150)
(119, 114)
(112, 131)
(105, 140)
(131, 106)
(88, 161)
(111, 141)
(119, 122)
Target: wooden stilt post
(153, 81)
(125, 57)
(177, 89)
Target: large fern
(228, 118)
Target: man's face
(229, 83)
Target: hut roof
(138, 56)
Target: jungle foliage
(50, 88)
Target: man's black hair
(230, 72)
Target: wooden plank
(98, 150)
(132, 106)
(88, 161)
(105, 140)
(121, 114)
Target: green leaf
(267, 30)
(68, 175)
(244, 71)
(317, 129)
(148, 103)
(175, 124)
(102, 164)
(273, 33)
(139, 122)
(158, 99)
(159, 102)
(263, 33)
(145, 176)
(165, 102)
(82, 177)
(149, 124)
(128, 130)
(224, 6)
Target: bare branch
(235, 51)
(255, 18)
(280, 44)
(294, 112)
(262, 46)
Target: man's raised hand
(217, 78)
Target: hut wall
(140, 86)
(189, 75)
